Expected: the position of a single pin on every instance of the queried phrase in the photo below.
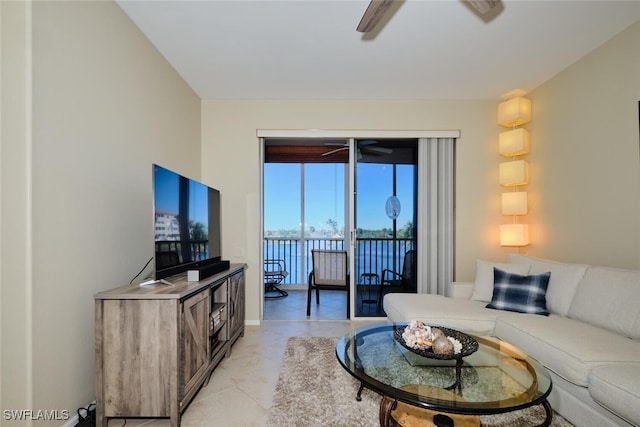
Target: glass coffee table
(497, 378)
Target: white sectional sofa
(590, 341)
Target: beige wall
(105, 106)
(15, 305)
(585, 165)
(230, 162)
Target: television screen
(186, 223)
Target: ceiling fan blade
(382, 150)
(374, 13)
(483, 6)
(334, 151)
(368, 142)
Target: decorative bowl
(469, 344)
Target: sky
(324, 189)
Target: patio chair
(400, 282)
(275, 271)
(330, 273)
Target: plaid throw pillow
(523, 294)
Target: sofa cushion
(562, 284)
(437, 310)
(568, 347)
(459, 290)
(617, 388)
(522, 294)
(609, 298)
(483, 284)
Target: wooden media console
(157, 345)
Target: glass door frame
(397, 257)
(351, 136)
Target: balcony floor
(332, 307)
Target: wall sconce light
(515, 142)
(514, 173)
(514, 203)
(514, 112)
(514, 235)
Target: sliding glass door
(385, 199)
(385, 216)
(304, 210)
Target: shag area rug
(313, 389)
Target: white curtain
(436, 198)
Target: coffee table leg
(457, 386)
(359, 395)
(386, 406)
(549, 414)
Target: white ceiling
(427, 49)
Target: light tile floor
(240, 390)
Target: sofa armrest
(459, 290)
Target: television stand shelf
(156, 345)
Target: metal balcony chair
(330, 272)
(400, 282)
(275, 271)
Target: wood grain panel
(236, 303)
(195, 339)
(139, 357)
(304, 154)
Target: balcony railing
(193, 250)
(372, 255)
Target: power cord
(143, 268)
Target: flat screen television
(186, 225)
